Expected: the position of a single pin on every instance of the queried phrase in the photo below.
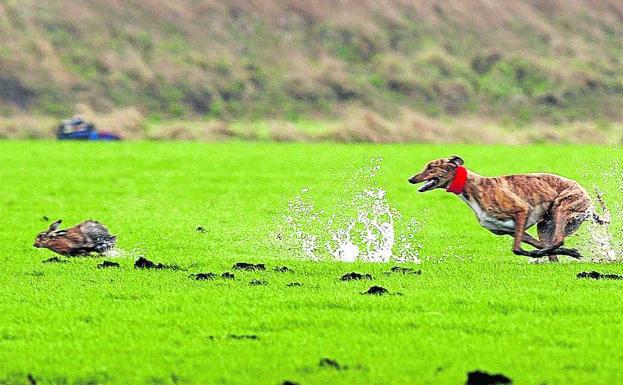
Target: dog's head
(438, 173)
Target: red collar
(458, 183)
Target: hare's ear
(54, 226)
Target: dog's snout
(412, 180)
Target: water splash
(603, 247)
(603, 243)
(117, 252)
(367, 228)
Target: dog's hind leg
(544, 246)
(567, 214)
(545, 229)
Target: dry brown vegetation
(554, 61)
(358, 126)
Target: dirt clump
(483, 378)
(203, 276)
(376, 290)
(331, 363)
(248, 266)
(355, 276)
(54, 260)
(597, 275)
(144, 263)
(107, 264)
(283, 269)
(404, 270)
(244, 337)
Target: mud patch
(483, 378)
(54, 260)
(203, 276)
(376, 290)
(331, 364)
(107, 264)
(283, 269)
(227, 275)
(294, 284)
(355, 276)
(403, 270)
(257, 282)
(248, 266)
(144, 263)
(597, 275)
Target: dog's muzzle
(429, 184)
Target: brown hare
(82, 239)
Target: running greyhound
(509, 205)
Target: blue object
(78, 129)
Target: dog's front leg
(520, 232)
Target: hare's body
(82, 239)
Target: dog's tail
(604, 219)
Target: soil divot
(376, 290)
(257, 282)
(294, 284)
(107, 264)
(248, 266)
(598, 275)
(227, 275)
(331, 363)
(483, 378)
(203, 276)
(144, 263)
(354, 276)
(404, 270)
(283, 269)
(54, 260)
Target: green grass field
(479, 307)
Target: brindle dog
(509, 205)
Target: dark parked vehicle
(77, 128)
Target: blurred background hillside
(391, 70)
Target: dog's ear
(54, 226)
(456, 160)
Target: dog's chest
(487, 221)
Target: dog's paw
(525, 253)
(540, 253)
(573, 253)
